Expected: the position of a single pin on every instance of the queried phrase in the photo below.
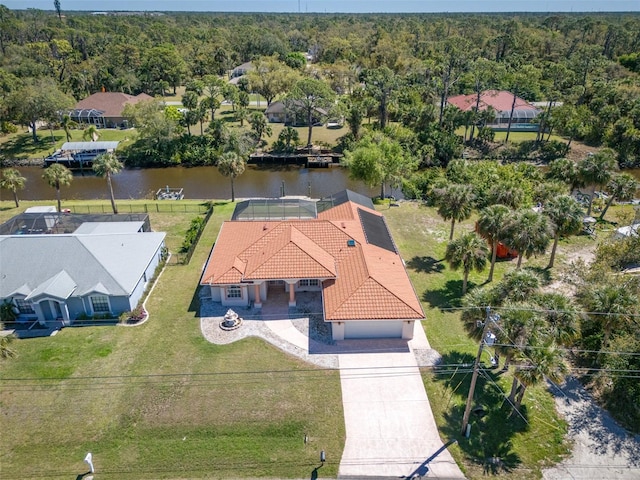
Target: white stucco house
(101, 269)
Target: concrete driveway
(390, 428)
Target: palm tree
(107, 165)
(518, 285)
(620, 187)
(595, 170)
(241, 115)
(57, 175)
(259, 125)
(561, 316)
(91, 133)
(506, 193)
(541, 361)
(492, 226)
(529, 233)
(566, 217)
(231, 165)
(12, 181)
(468, 252)
(566, 171)
(520, 325)
(475, 305)
(455, 203)
(67, 124)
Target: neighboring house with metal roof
(105, 109)
(101, 269)
(345, 253)
(524, 113)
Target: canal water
(200, 183)
(205, 183)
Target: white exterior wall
(242, 301)
(215, 293)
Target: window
(100, 304)
(234, 291)
(24, 306)
(308, 282)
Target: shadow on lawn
(447, 296)
(24, 146)
(425, 265)
(493, 424)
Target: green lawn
(158, 401)
(422, 237)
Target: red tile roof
(111, 103)
(364, 281)
(499, 100)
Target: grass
(525, 445)
(20, 145)
(158, 401)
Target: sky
(336, 6)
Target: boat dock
(167, 193)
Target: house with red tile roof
(524, 113)
(104, 109)
(343, 251)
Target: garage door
(366, 329)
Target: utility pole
(474, 377)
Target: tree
(270, 77)
(190, 102)
(526, 77)
(213, 89)
(517, 285)
(538, 362)
(91, 133)
(380, 84)
(57, 175)
(454, 55)
(566, 171)
(231, 165)
(595, 170)
(377, 160)
(455, 202)
(561, 316)
(162, 66)
(35, 101)
(307, 98)
(107, 165)
(67, 124)
(613, 302)
(492, 225)
(56, 5)
(5, 343)
(529, 233)
(566, 217)
(259, 125)
(468, 252)
(12, 181)
(620, 187)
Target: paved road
(602, 449)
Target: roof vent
(343, 225)
(351, 242)
(264, 227)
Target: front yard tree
(566, 217)
(595, 170)
(620, 187)
(455, 202)
(67, 124)
(107, 165)
(40, 100)
(492, 225)
(12, 180)
(213, 88)
(381, 84)
(307, 97)
(529, 233)
(231, 165)
(468, 252)
(91, 133)
(57, 175)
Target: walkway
(602, 449)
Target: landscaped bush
(197, 224)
